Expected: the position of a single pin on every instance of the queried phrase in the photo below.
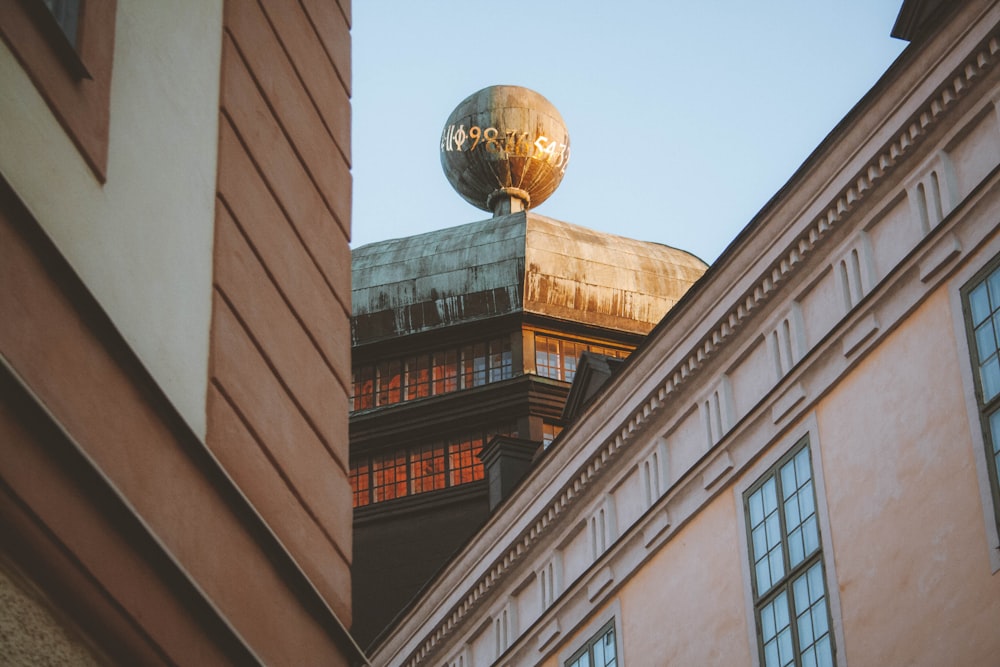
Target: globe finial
(505, 149)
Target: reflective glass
(979, 303)
(990, 377)
(986, 341)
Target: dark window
(67, 16)
(67, 48)
(600, 651)
(789, 583)
(982, 311)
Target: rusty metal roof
(522, 262)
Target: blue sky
(684, 117)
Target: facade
(174, 327)
(466, 339)
(799, 464)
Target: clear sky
(684, 117)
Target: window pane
(811, 614)
(427, 468)
(388, 477)
(359, 484)
(756, 508)
(994, 284)
(990, 377)
(986, 342)
(979, 303)
(445, 371)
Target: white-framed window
(600, 638)
(601, 650)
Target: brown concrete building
(798, 466)
(175, 197)
(465, 338)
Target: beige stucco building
(174, 306)
(798, 466)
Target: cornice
(860, 188)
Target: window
(425, 467)
(67, 48)
(982, 307)
(789, 582)
(549, 432)
(395, 380)
(557, 358)
(67, 16)
(600, 651)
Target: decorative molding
(604, 578)
(784, 404)
(941, 254)
(886, 161)
(862, 330)
(715, 470)
(655, 527)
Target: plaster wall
(905, 512)
(684, 607)
(142, 241)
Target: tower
(468, 338)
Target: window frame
(791, 573)
(596, 637)
(769, 458)
(982, 409)
(74, 81)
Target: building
(799, 464)
(468, 336)
(174, 327)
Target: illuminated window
(360, 484)
(549, 433)
(445, 371)
(389, 382)
(427, 468)
(423, 468)
(600, 651)
(388, 477)
(418, 377)
(789, 583)
(463, 460)
(982, 311)
(364, 388)
(557, 358)
(392, 381)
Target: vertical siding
(280, 344)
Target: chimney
(506, 461)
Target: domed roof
(522, 262)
